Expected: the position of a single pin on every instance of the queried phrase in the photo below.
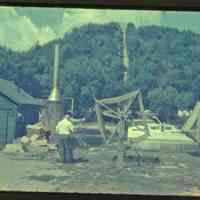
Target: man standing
(64, 139)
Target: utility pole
(125, 51)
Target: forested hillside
(164, 64)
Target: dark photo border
(114, 4)
(177, 5)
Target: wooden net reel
(118, 108)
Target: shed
(17, 109)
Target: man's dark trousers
(66, 145)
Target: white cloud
(181, 20)
(77, 17)
(45, 35)
(19, 33)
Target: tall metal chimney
(55, 104)
(55, 95)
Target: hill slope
(164, 64)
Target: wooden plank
(100, 121)
(108, 114)
(141, 105)
(7, 120)
(12, 115)
(118, 99)
(107, 108)
(144, 117)
(3, 124)
(198, 130)
(193, 118)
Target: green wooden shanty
(17, 109)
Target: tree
(163, 64)
(184, 100)
(162, 101)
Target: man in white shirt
(65, 139)
(65, 126)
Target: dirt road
(175, 174)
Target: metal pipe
(55, 95)
(56, 66)
(54, 104)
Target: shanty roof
(16, 94)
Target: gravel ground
(98, 172)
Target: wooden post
(146, 130)
(72, 108)
(193, 118)
(100, 121)
(125, 52)
(141, 105)
(198, 130)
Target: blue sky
(21, 27)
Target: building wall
(12, 125)
(8, 114)
(30, 115)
